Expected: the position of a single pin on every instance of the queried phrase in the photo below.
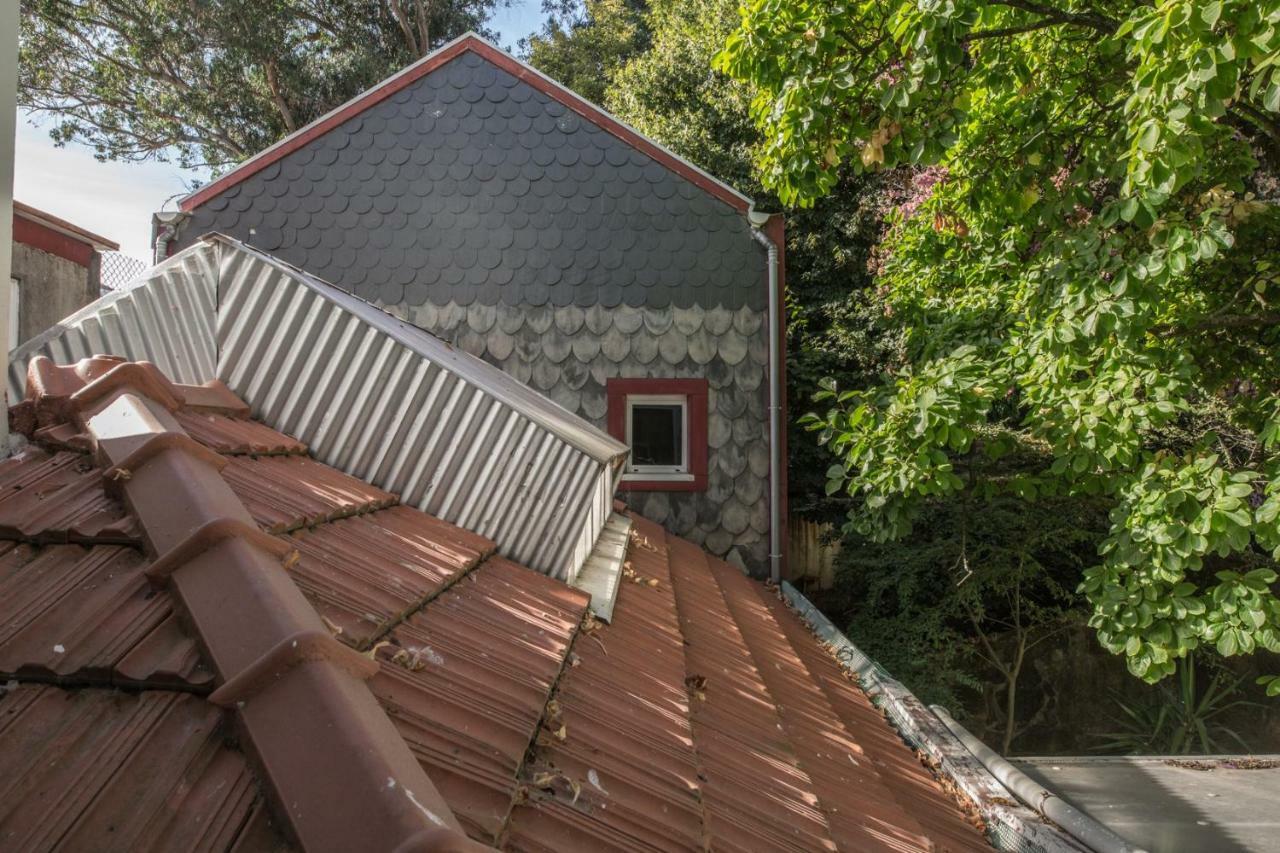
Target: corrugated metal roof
(388, 405)
(166, 317)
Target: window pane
(657, 434)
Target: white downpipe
(775, 399)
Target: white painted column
(8, 127)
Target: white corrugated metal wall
(369, 395)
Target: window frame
(675, 473)
(691, 395)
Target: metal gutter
(1081, 827)
(1010, 824)
(757, 221)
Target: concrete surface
(51, 288)
(1208, 807)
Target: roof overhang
(521, 71)
(44, 231)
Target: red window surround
(695, 392)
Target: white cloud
(115, 200)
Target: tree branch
(273, 83)
(1092, 20)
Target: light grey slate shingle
(731, 517)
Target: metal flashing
(602, 572)
(388, 405)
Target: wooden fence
(810, 556)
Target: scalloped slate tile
(472, 187)
(570, 353)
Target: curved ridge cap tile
(55, 393)
(272, 652)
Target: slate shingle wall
(483, 210)
(471, 186)
(569, 353)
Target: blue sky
(116, 200)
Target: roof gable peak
(471, 42)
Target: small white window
(658, 433)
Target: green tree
(1089, 267)
(961, 612)
(212, 82)
(583, 42)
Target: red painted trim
(394, 84)
(62, 226)
(776, 230)
(37, 235)
(695, 390)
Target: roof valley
(603, 770)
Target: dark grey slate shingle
(470, 186)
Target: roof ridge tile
(338, 772)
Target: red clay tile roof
(704, 716)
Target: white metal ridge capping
(1011, 825)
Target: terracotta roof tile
(705, 716)
(87, 614)
(100, 769)
(334, 767)
(757, 796)
(363, 574)
(58, 497)
(283, 493)
(237, 435)
(467, 679)
(829, 752)
(629, 744)
(900, 772)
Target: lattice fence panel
(118, 269)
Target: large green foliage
(211, 82)
(1087, 264)
(584, 42)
